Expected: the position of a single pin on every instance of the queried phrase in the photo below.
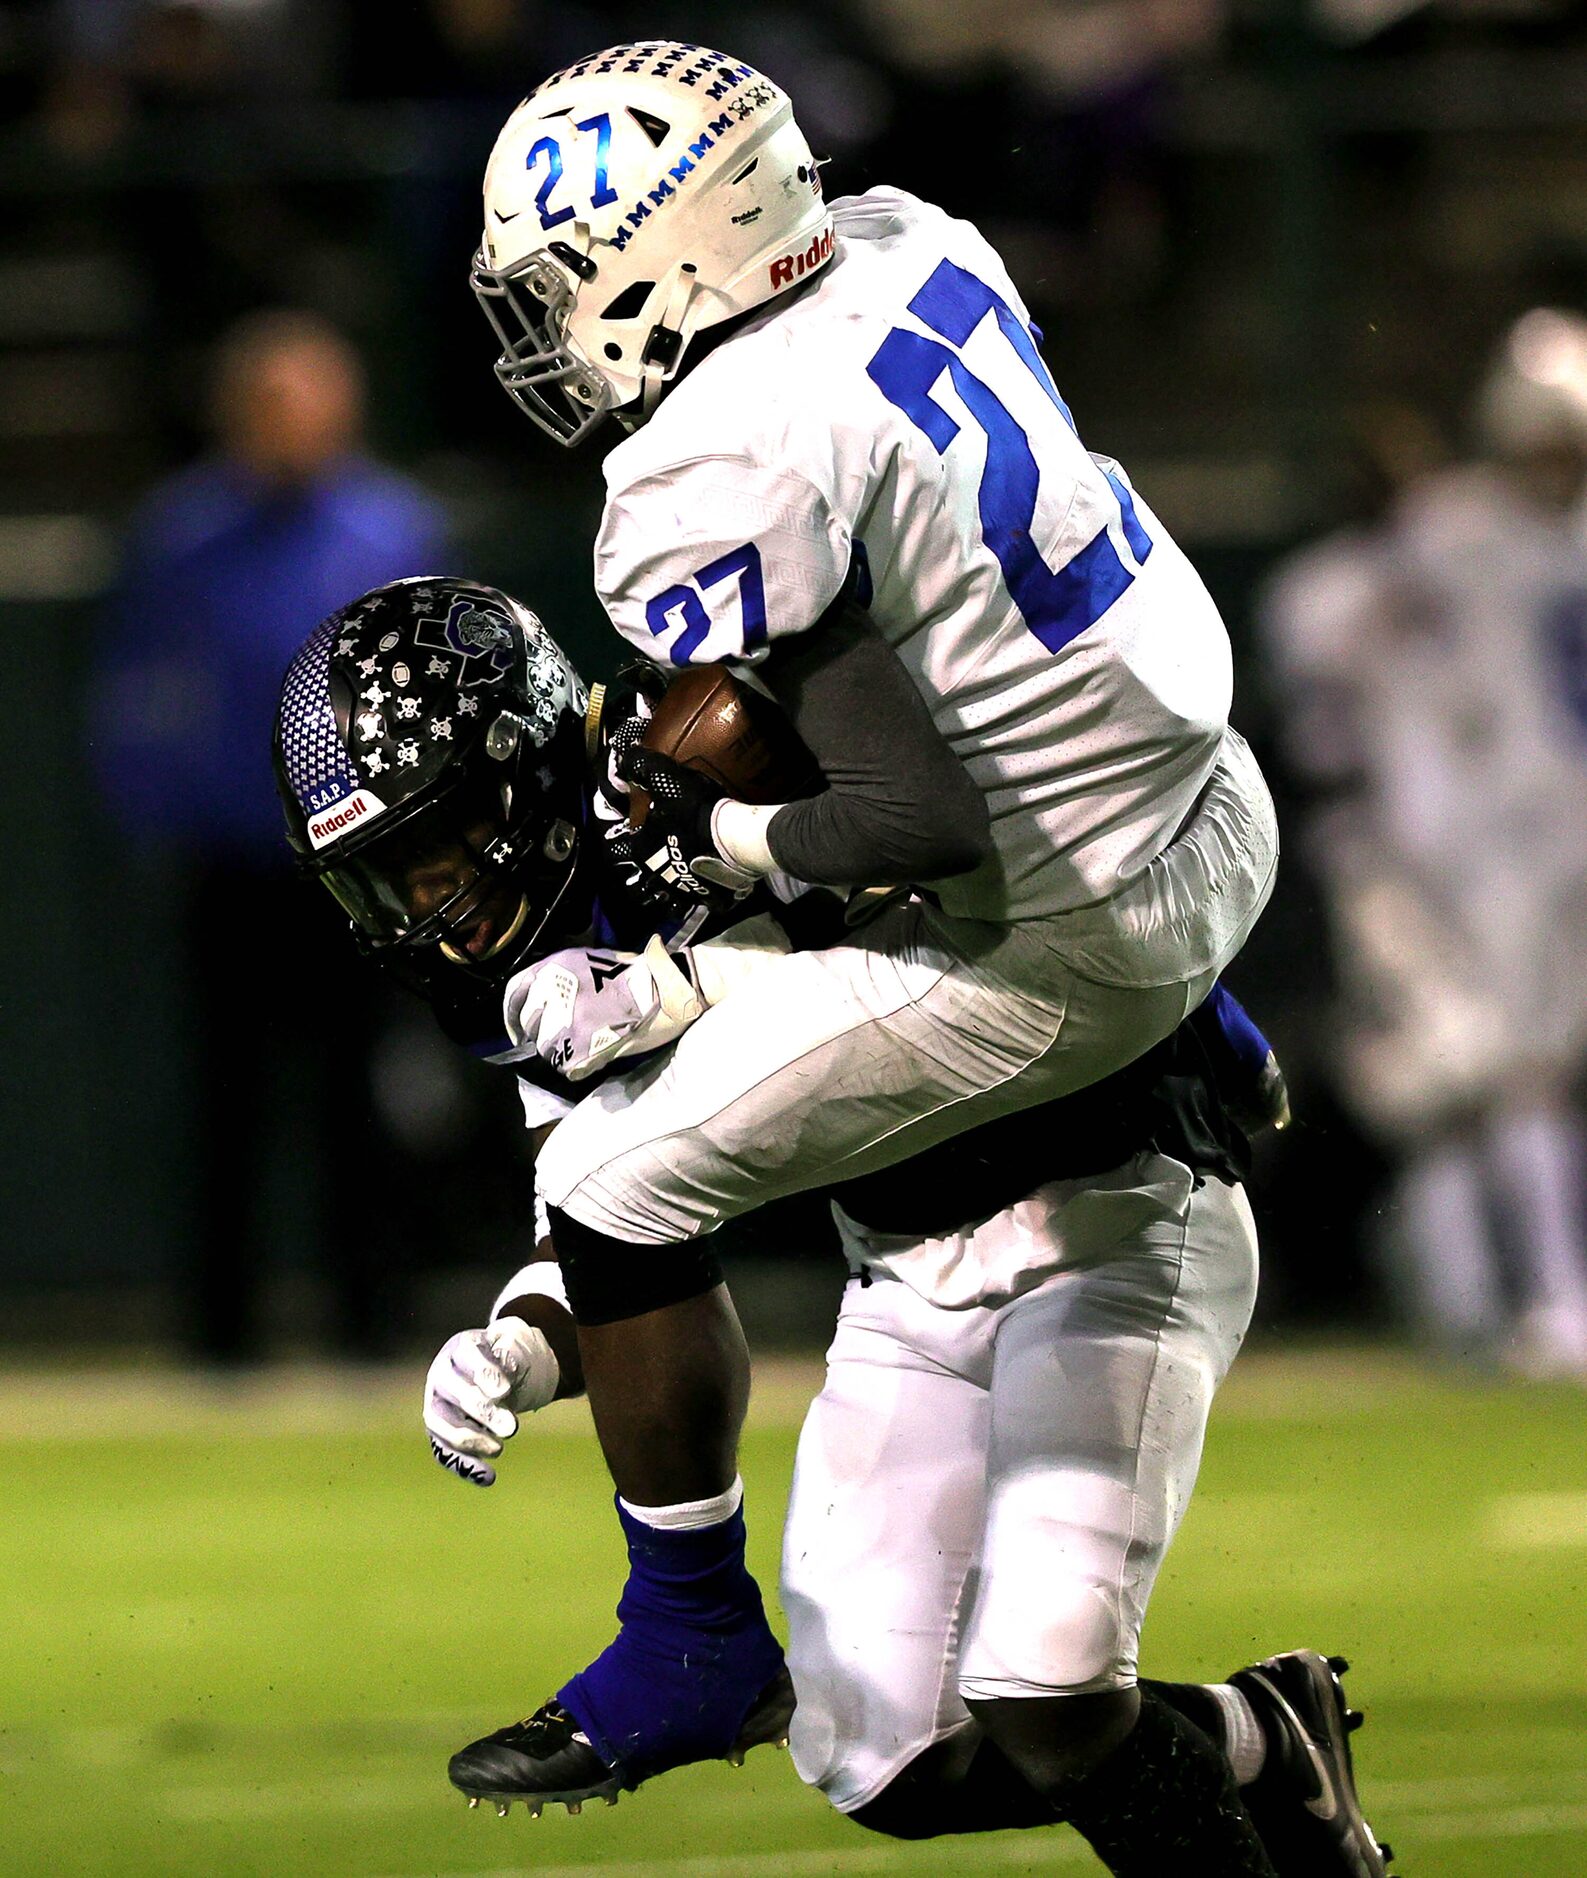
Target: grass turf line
(242, 1634)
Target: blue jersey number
(551, 150)
(1056, 606)
(601, 124)
(682, 604)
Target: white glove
(579, 1010)
(479, 1384)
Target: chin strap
(664, 347)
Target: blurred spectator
(227, 566)
(200, 123)
(1071, 47)
(1430, 661)
(1066, 105)
(113, 59)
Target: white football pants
(982, 1498)
(828, 1064)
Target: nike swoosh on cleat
(1326, 1804)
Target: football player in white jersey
(444, 773)
(930, 1538)
(848, 470)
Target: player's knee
(609, 1280)
(1056, 1741)
(917, 1803)
(896, 1815)
(961, 1784)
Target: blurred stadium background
(1279, 249)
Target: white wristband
(541, 1279)
(739, 830)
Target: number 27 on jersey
(1056, 604)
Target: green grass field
(241, 1634)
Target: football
(711, 722)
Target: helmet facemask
(528, 306)
(463, 872)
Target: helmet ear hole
(630, 303)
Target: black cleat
(1304, 1801)
(548, 1758)
(544, 1758)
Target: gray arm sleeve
(899, 805)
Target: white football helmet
(632, 201)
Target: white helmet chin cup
(631, 202)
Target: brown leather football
(709, 721)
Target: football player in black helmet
(442, 766)
(429, 753)
(447, 775)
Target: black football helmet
(430, 754)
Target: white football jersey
(897, 416)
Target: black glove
(671, 863)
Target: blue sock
(693, 1653)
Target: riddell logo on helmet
(327, 827)
(788, 268)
